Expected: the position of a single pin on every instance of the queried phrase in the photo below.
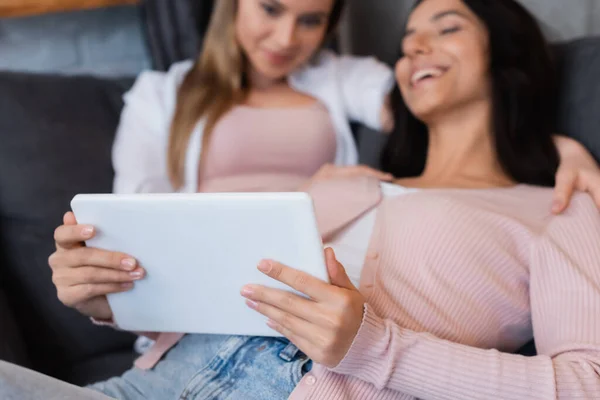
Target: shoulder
(581, 215)
(157, 90)
(532, 205)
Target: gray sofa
(55, 140)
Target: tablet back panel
(198, 251)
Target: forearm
(426, 367)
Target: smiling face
(278, 36)
(445, 61)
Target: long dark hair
(523, 91)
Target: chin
(423, 112)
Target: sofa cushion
(56, 134)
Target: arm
(565, 305)
(140, 148)
(365, 86)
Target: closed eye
(448, 31)
(312, 20)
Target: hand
(322, 326)
(83, 276)
(578, 171)
(330, 171)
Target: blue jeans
(209, 367)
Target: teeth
(432, 72)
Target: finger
(337, 272)
(86, 292)
(90, 256)
(324, 172)
(71, 236)
(590, 183)
(87, 275)
(283, 300)
(69, 218)
(563, 190)
(365, 170)
(595, 193)
(302, 343)
(301, 281)
(294, 326)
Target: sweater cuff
(371, 331)
(368, 357)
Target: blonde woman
(263, 108)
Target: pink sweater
(457, 280)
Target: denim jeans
(209, 367)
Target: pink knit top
(456, 281)
(267, 149)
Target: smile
(425, 74)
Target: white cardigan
(352, 89)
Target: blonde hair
(216, 83)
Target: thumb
(563, 190)
(337, 273)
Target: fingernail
(87, 231)
(247, 291)
(264, 266)
(251, 304)
(272, 324)
(136, 274)
(556, 206)
(127, 285)
(128, 264)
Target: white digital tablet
(198, 251)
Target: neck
(260, 82)
(461, 150)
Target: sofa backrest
(56, 135)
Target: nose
(286, 34)
(417, 44)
